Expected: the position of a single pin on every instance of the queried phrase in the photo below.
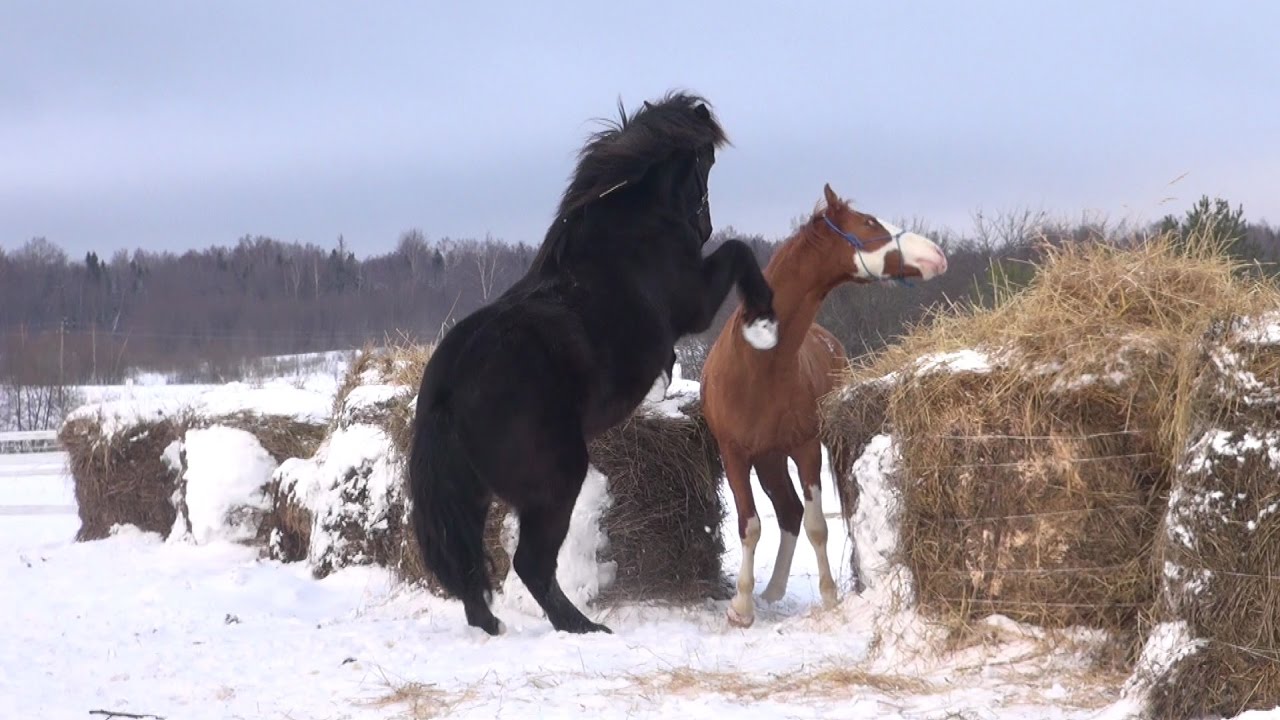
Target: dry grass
(420, 701)
(399, 365)
(1037, 487)
(664, 526)
(829, 682)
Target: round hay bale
(1217, 650)
(664, 524)
(124, 476)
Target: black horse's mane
(625, 149)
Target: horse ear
(830, 194)
(701, 111)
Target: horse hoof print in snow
(761, 333)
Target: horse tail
(450, 506)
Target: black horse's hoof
(583, 626)
(482, 618)
(493, 628)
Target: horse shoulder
(824, 357)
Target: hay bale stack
(1036, 437)
(1217, 650)
(129, 463)
(348, 504)
(664, 523)
(124, 475)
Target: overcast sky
(174, 125)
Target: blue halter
(858, 250)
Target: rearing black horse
(515, 391)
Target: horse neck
(800, 285)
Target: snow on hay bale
(346, 504)
(1216, 650)
(1036, 439)
(131, 466)
(661, 513)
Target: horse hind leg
(475, 601)
(776, 480)
(544, 524)
(809, 463)
(542, 532)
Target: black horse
(515, 391)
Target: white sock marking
(761, 333)
(742, 605)
(777, 587)
(815, 526)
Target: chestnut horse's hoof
(761, 333)
(737, 620)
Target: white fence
(31, 484)
(33, 441)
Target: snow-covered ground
(184, 630)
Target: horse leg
(742, 612)
(776, 480)
(809, 463)
(734, 263)
(544, 523)
(542, 532)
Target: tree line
(200, 314)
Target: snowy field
(137, 625)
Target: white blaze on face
(918, 252)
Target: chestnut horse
(762, 406)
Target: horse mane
(807, 234)
(625, 149)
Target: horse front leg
(734, 263)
